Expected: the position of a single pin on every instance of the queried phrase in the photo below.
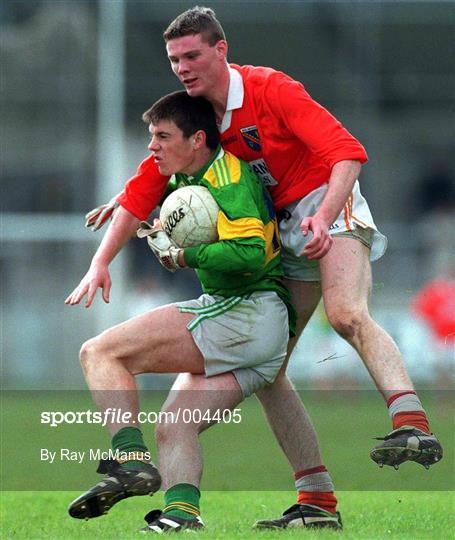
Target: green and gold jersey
(246, 258)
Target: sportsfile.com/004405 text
(114, 415)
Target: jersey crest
(250, 135)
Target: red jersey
(290, 141)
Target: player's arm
(310, 122)
(241, 232)
(141, 194)
(123, 226)
(327, 138)
(236, 255)
(241, 244)
(342, 178)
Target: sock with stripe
(182, 500)
(315, 486)
(405, 409)
(129, 439)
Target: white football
(189, 216)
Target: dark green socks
(182, 500)
(129, 439)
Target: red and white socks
(315, 486)
(405, 409)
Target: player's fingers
(80, 292)
(314, 245)
(318, 255)
(107, 291)
(322, 251)
(73, 298)
(92, 217)
(310, 251)
(305, 226)
(315, 242)
(93, 213)
(90, 223)
(70, 297)
(102, 218)
(90, 294)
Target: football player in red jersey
(311, 164)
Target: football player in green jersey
(230, 341)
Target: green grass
(375, 503)
(366, 515)
(237, 457)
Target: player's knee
(162, 434)
(166, 430)
(346, 323)
(88, 353)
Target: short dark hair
(190, 114)
(197, 20)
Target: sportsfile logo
(118, 416)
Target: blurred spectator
(435, 303)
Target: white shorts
(355, 220)
(245, 336)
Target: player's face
(198, 65)
(173, 152)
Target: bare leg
(156, 342)
(346, 287)
(285, 412)
(141, 345)
(296, 435)
(179, 449)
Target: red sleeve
(143, 192)
(312, 123)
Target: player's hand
(97, 277)
(162, 246)
(97, 217)
(321, 242)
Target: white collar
(220, 154)
(234, 99)
(235, 93)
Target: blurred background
(75, 79)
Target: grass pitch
(237, 457)
(411, 503)
(366, 515)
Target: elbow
(255, 261)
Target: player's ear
(222, 48)
(198, 139)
